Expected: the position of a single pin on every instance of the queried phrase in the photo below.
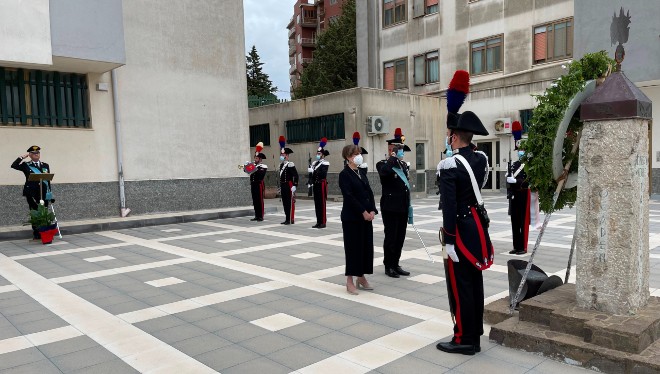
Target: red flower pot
(47, 233)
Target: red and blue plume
(323, 142)
(516, 130)
(458, 89)
(356, 138)
(282, 141)
(259, 147)
(397, 134)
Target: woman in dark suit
(357, 213)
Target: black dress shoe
(400, 271)
(517, 252)
(315, 226)
(451, 347)
(391, 273)
(254, 219)
(285, 223)
(259, 219)
(320, 226)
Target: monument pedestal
(554, 325)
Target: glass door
(491, 148)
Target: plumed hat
(467, 121)
(283, 149)
(356, 140)
(258, 148)
(399, 139)
(516, 130)
(322, 144)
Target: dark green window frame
(260, 133)
(312, 129)
(526, 119)
(43, 99)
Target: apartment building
(310, 17)
(129, 100)
(512, 49)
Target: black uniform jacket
(288, 173)
(320, 171)
(357, 194)
(31, 188)
(461, 225)
(521, 178)
(258, 174)
(396, 195)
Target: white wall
(25, 33)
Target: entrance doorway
(492, 150)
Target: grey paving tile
(41, 367)
(305, 331)
(395, 320)
(259, 365)
(298, 356)
(367, 330)
(198, 314)
(483, 364)
(20, 358)
(67, 346)
(335, 342)
(336, 321)
(178, 333)
(201, 344)
(41, 325)
(513, 356)
(239, 333)
(552, 367)
(81, 359)
(160, 323)
(219, 322)
(409, 364)
(431, 354)
(223, 358)
(7, 332)
(268, 343)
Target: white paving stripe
(68, 251)
(8, 288)
(164, 282)
(120, 270)
(225, 241)
(106, 329)
(38, 338)
(99, 259)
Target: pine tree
(334, 66)
(258, 82)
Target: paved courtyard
(234, 296)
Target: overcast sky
(265, 27)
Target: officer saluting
(31, 190)
(464, 229)
(288, 183)
(319, 172)
(257, 188)
(394, 203)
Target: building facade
(161, 126)
(310, 18)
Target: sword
(59, 233)
(420, 239)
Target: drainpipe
(120, 163)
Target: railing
(255, 101)
(292, 50)
(291, 32)
(307, 60)
(308, 42)
(308, 22)
(293, 68)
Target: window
(486, 55)
(553, 41)
(427, 68)
(43, 98)
(260, 133)
(526, 119)
(314, 128)
(424, 7)
(333, 2)
(394, 11)
(395, 75)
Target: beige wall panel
(25, 33)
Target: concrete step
(535, 337)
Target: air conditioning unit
(377, 125)
(502, 125)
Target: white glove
(511, 180)
(293, 189)
(310, 170)
(451, 252)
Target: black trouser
(467, 285)
(520, 219)
(320, 198)
(288, 202)
(395, 233)
(257, 190)
(33, 203)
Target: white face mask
(357, 160)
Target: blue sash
(399, 172)
(49, 195)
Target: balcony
(292, 50)
(307, 61)
(293, 69)
(292, 32)
(308, 22)
(291, 22)
(308, 42)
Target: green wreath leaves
(544, 124)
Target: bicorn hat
(283, 149)
(516, 130)
(399, 139)
(356, 140)
(467, 121)
(258, 148)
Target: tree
(258, 82)
(334, 66)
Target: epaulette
(448, 163)
(363, 165)
(290, 165)
(325, 163)
(262, 166)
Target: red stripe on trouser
(293, 202)
(261, 196)
(526, 220)
(459, 323)
(324, 197)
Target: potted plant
(44, 220)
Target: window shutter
(388, 80)
(418, 8)
(419, 70)
(540, 44)
(431, 2)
